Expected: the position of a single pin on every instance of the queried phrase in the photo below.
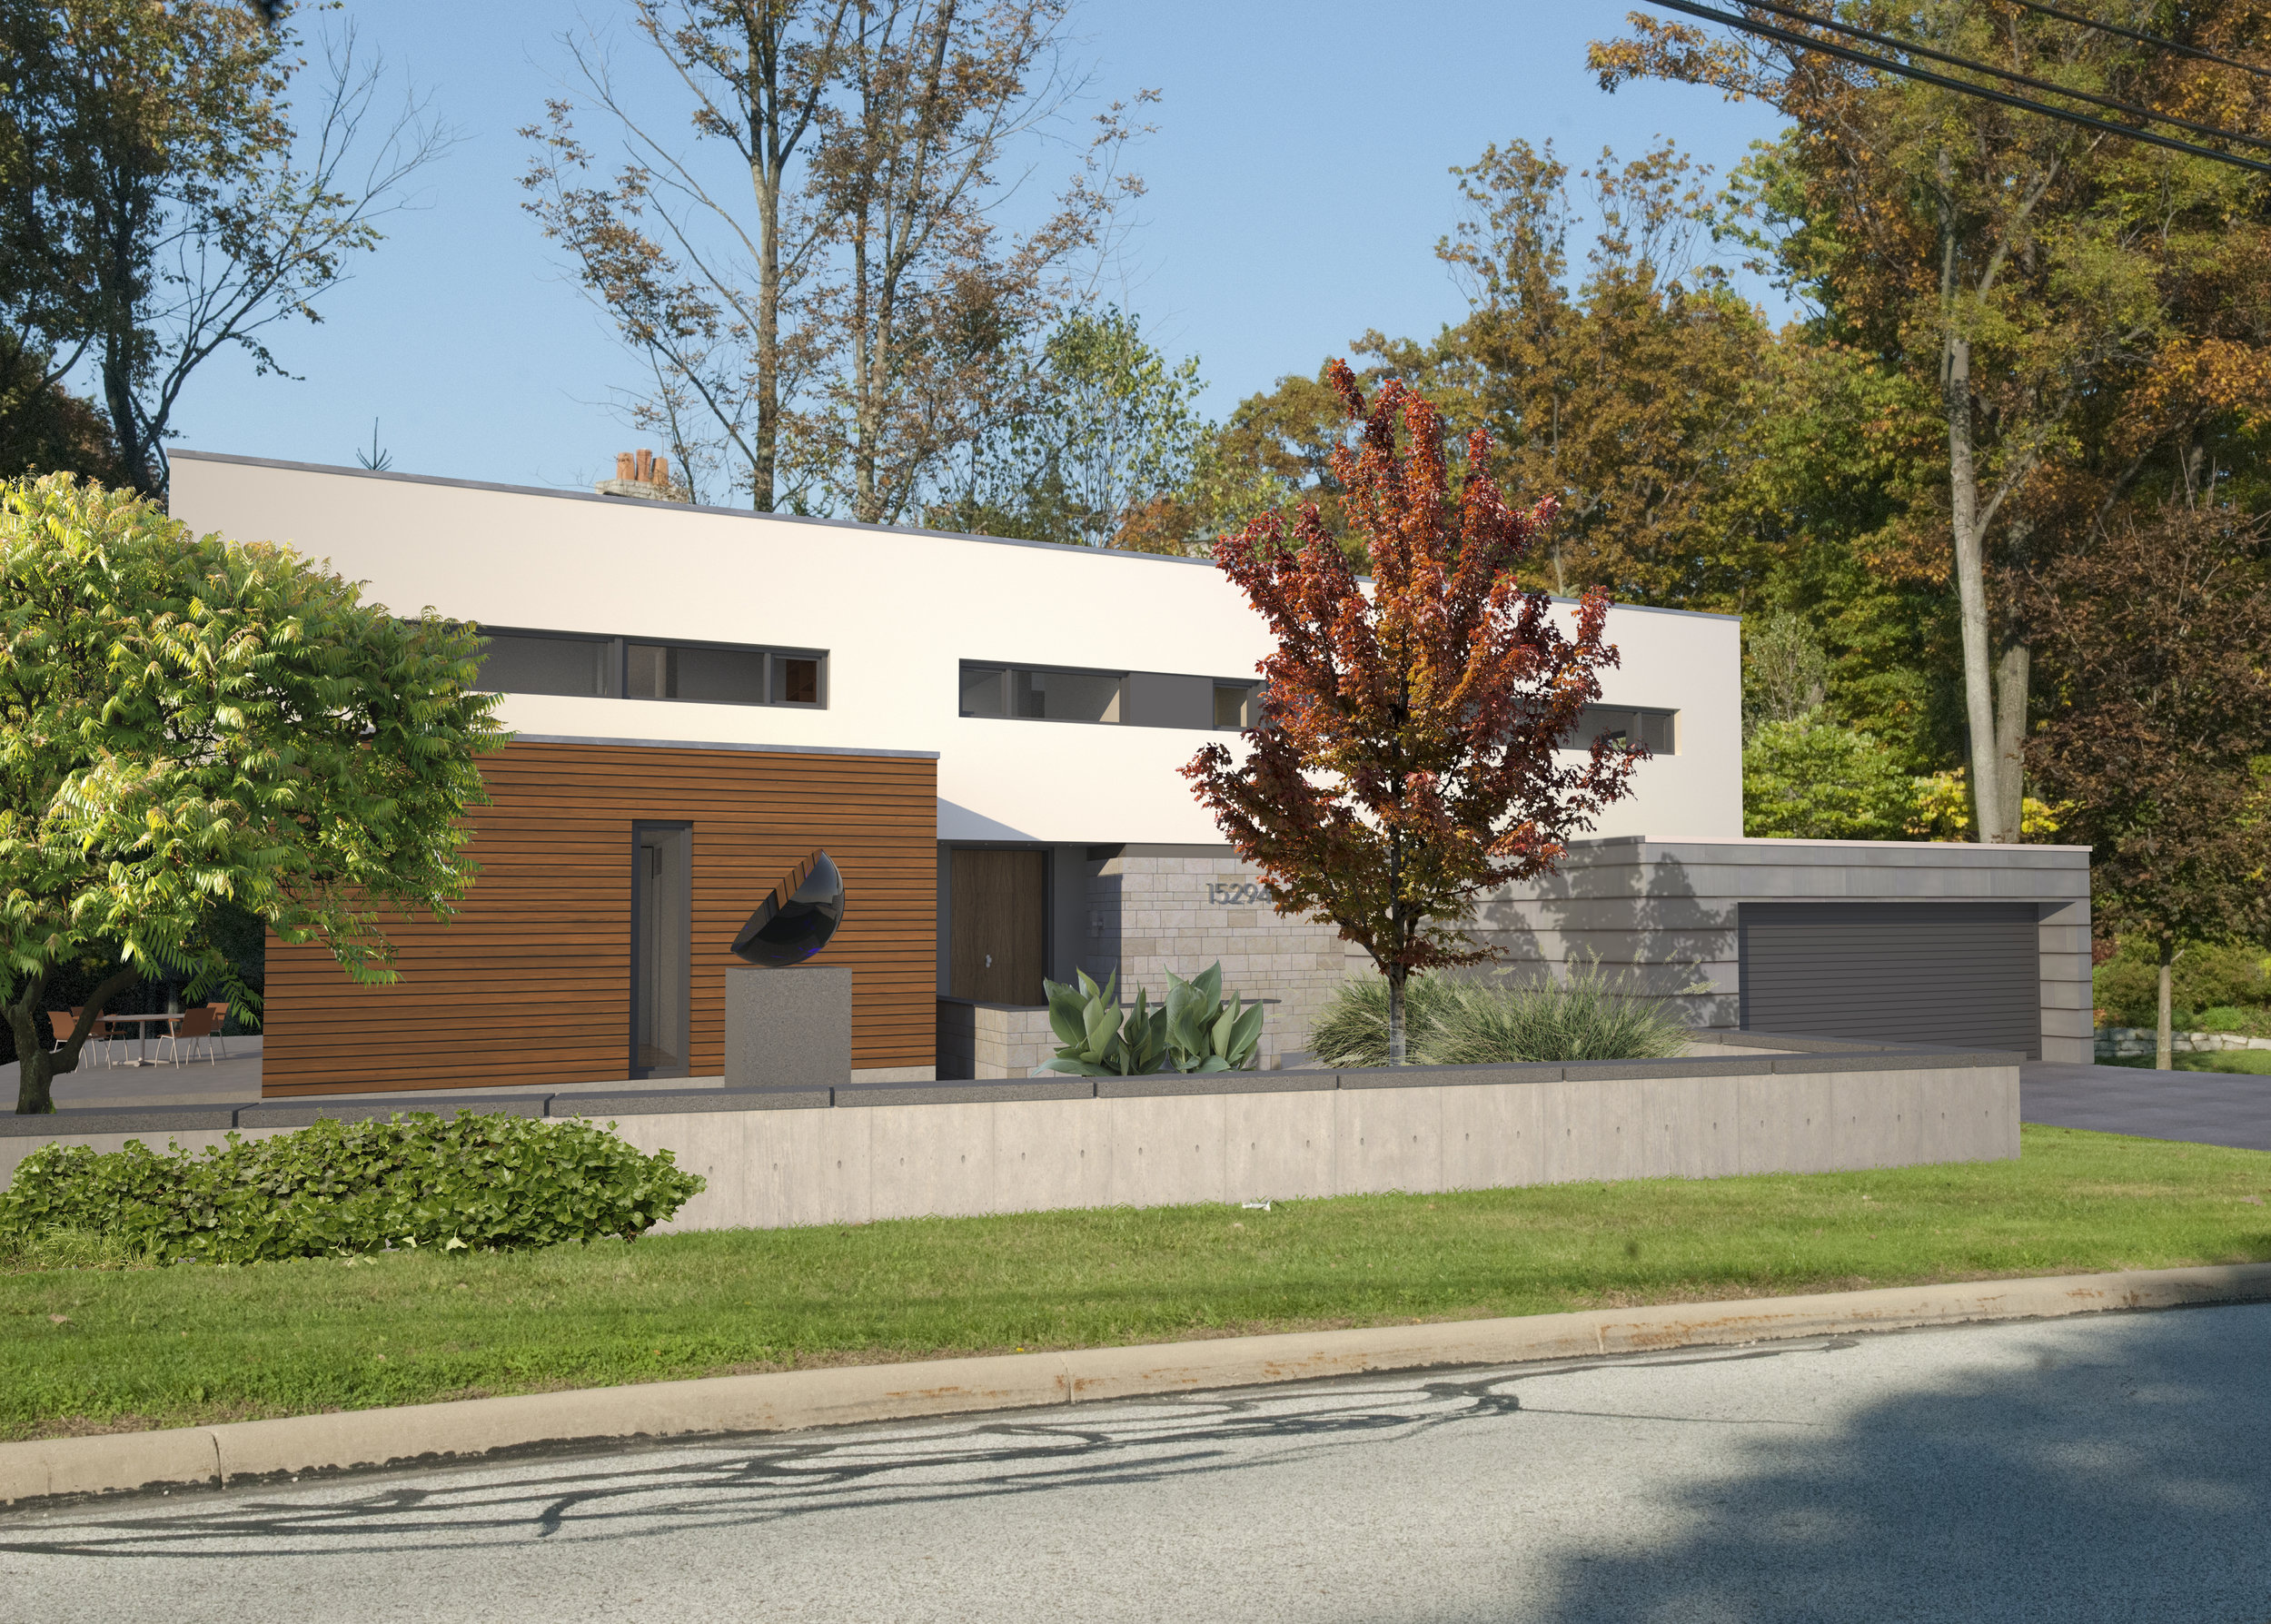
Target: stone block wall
(1155, 908)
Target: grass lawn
(2254, 1063)
(89, 1348)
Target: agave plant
(1098, 1043)
(1194, 1031)
(1206, 1034)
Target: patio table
(141, 1049)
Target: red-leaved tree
(1409, 752)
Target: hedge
(486, 1181)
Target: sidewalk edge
(208, 1457)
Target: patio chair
(65, 1022)
(200, 1026)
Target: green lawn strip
(177, 1346)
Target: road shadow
(2102, 1477)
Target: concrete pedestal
(788, 1028)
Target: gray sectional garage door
(1900, 971)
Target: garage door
(1922, 971)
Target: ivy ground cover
(89, 1343)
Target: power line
(1885, 64)
(1910, 48)
(2149, 39)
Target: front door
(999, 924)
(662, 950)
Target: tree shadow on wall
(1644, 924)
(2111, 1477)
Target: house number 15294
(1236, 893)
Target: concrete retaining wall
(870, 1151)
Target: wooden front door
(999, 926)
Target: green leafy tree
(2079, 308)
(187, 725)
(2160, 728)
(158, 204)
(1410, 755)
(1810, 778)
(1104, 425)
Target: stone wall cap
(1158, 1084)
(73, 1122)
(966, 1091)
(307, 1111)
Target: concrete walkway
(2201, 1107)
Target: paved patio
(236, 1082)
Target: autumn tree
(1624, 396)
(927, 300)
(1410, 755)
(159, 204)
(193, 732)
(2159, 724)
(2026, 272)
(707, 281)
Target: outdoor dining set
(198, 1028)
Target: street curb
(789, 1400)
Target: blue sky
(1297, 186)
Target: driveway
(2203, 1107)
(2110, 1468)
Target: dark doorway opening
(998, 902)
(662, 950)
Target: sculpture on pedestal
(796, 917)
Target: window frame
(1008, 668)
(1581, 741)
(618, 662)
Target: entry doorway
(998, 921)
(662, 950)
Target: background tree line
(1991, 503)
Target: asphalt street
(2230, 1108)
(2110, 1468)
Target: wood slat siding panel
(530, 986)
(1963, 973)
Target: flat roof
(644, 504)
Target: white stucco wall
(896, 611)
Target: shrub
(1354, 1029)
(1813, 779)
(1466, 1023)
(485, 1182)
(2205, 975)
(1193, 1031)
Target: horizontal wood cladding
(529, 987)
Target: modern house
(985, 735)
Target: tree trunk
(1397, 975)
(36, 1066)
(2164, 1038)
(1963, 491)
(2011, 676)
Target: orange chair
(66, 1022)
(197, 1025)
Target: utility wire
(2149, 39)
(1885, 64)
(1910, 48)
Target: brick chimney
(640, 474)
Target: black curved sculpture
(796, 917)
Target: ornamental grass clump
(1464, 1022)
(486, 1183)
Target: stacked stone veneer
(2120, 1042)
(1153, 909)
